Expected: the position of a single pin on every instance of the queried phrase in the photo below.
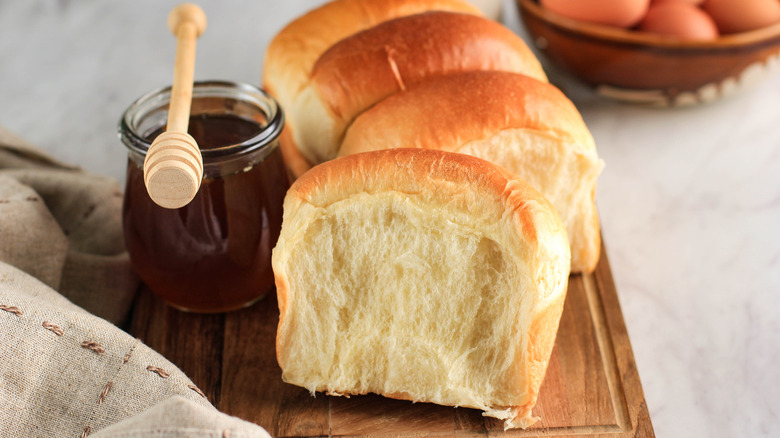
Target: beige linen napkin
(64, 227)
(65, 372)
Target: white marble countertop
(689, 198)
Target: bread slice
(291, 55)
(526, 126)
(420, 275)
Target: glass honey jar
(214, 254)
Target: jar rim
(138, 143)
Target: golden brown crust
(588, 256)
(363, 69)
(541, 340)
(292, 53)
(282, 288)
(448, 112)
(296, 163)
(440, 174)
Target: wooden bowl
(646, 68)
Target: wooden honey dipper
(173, 167)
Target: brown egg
(693, 2)
(620, 13)
(733, 16)
(679, 19)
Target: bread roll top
(292, 53)
(461, 182)
(447, 112)
(359, 71)
(365, 68)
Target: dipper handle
(173, 167)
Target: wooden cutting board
(591, 389)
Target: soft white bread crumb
(421, 275)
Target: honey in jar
(214, 254)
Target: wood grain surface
(592, 388)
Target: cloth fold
(65, 369)
(64, 227)
(179, 418)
